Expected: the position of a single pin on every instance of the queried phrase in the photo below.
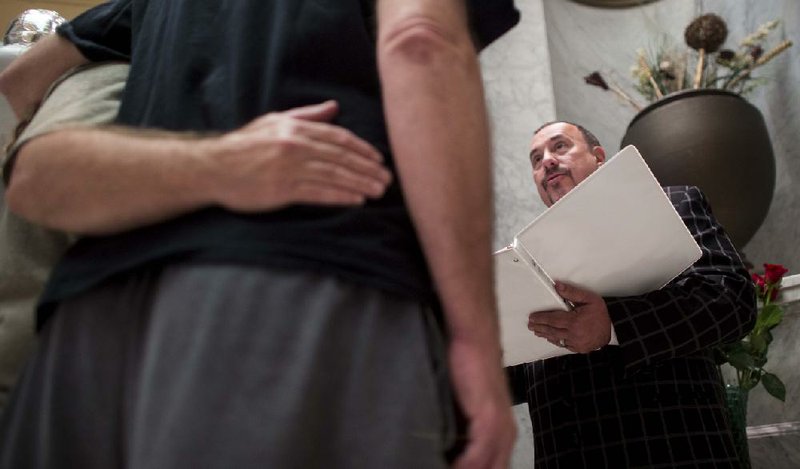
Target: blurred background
(10, 9)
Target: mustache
(553, 172)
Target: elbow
(8, 81)
(7, 90)
(13, 89)
(5, 83)
(17, 192)
(744, 308)
(26, 199)
(422, 41)
(26, 193)
(750, 308)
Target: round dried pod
(707, 32)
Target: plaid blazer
(656, 400)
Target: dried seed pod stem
(624, 96)
(649, 74)
(773, 52)
(698, 73)
(682, 72)
(761, 61)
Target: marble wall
(519, 91)
(583, 39)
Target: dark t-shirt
(214, 66)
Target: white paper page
(616, 233)
(520, 291)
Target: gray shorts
(217, 366)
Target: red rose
(773, 273)
(757, 279)
(761, 284)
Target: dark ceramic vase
(717, 141)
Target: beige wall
(9, 9)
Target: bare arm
(27, 78)
(439, 133)
(99, 181)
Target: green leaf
(749, 383)
(720, 357)
(769, 317)
(735, 347)
(774, 386)
(741, 360)
(768, 337)
(758, 343)
(759, 361)
(748, 379)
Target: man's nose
(549, 160)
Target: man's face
(561, 159)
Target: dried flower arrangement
(669, 70)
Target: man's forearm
(27, 79)
(93, 181)
(437, 121)
(101, 180)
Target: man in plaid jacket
(656, 399)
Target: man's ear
(599, 154)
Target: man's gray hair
(589, 137)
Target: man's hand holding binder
(585, 328)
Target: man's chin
(554, 196)
(557, 191)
